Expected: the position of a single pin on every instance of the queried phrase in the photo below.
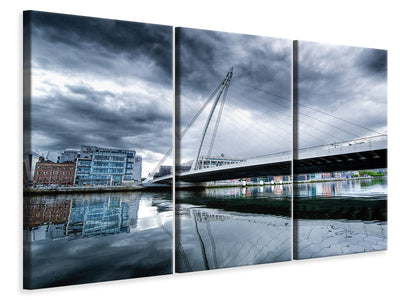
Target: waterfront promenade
(82, 189)
(138, 186)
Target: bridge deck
(360, 154)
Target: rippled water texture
(229, 227)
(334, 218)
(96, 237)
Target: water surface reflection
(333, 218)
(71, 239)
(228, 227)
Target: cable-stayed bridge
(333, 143)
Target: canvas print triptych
(278, 150)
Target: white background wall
(365, 23)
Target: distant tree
(370, 173)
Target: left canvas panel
(98, 110)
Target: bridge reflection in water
(229, 227)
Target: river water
(82, 238)
(341, 217)
(229, 227)
(73, 239)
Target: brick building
(42, 212)
(49, 173)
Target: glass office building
(102, 166)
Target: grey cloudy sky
(101, 82)
(342, 92)
(109, 83)
(257, 114)
(349, 83)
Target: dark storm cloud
(97, 41)
(345, 84)
(257, 115)
(88, 116)
(374, 61)
(99, 82)
(206, 56)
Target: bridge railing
(355, 145)
(279, 156)
(271, 155)
(351, 146)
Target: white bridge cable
(324, 122)
(271, 112)
(341, 119)
(194, 118)
(309, 107)
(264, 125)
(233, 135)
(188, 126)
(233, 121)
(288, 133)
(288, 123)
(303, 123)
(225, 85)
(309, 125)
(232, 118)
(258, 111)
(235, 132)
(221, 108)
(264, 128)
(216, 148)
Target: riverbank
(139, 187)
(341, 179)
(240, 184)
(82, 189)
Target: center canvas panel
(233, 150)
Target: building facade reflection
(82, 216)
(98, 216)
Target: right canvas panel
(340, 150)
